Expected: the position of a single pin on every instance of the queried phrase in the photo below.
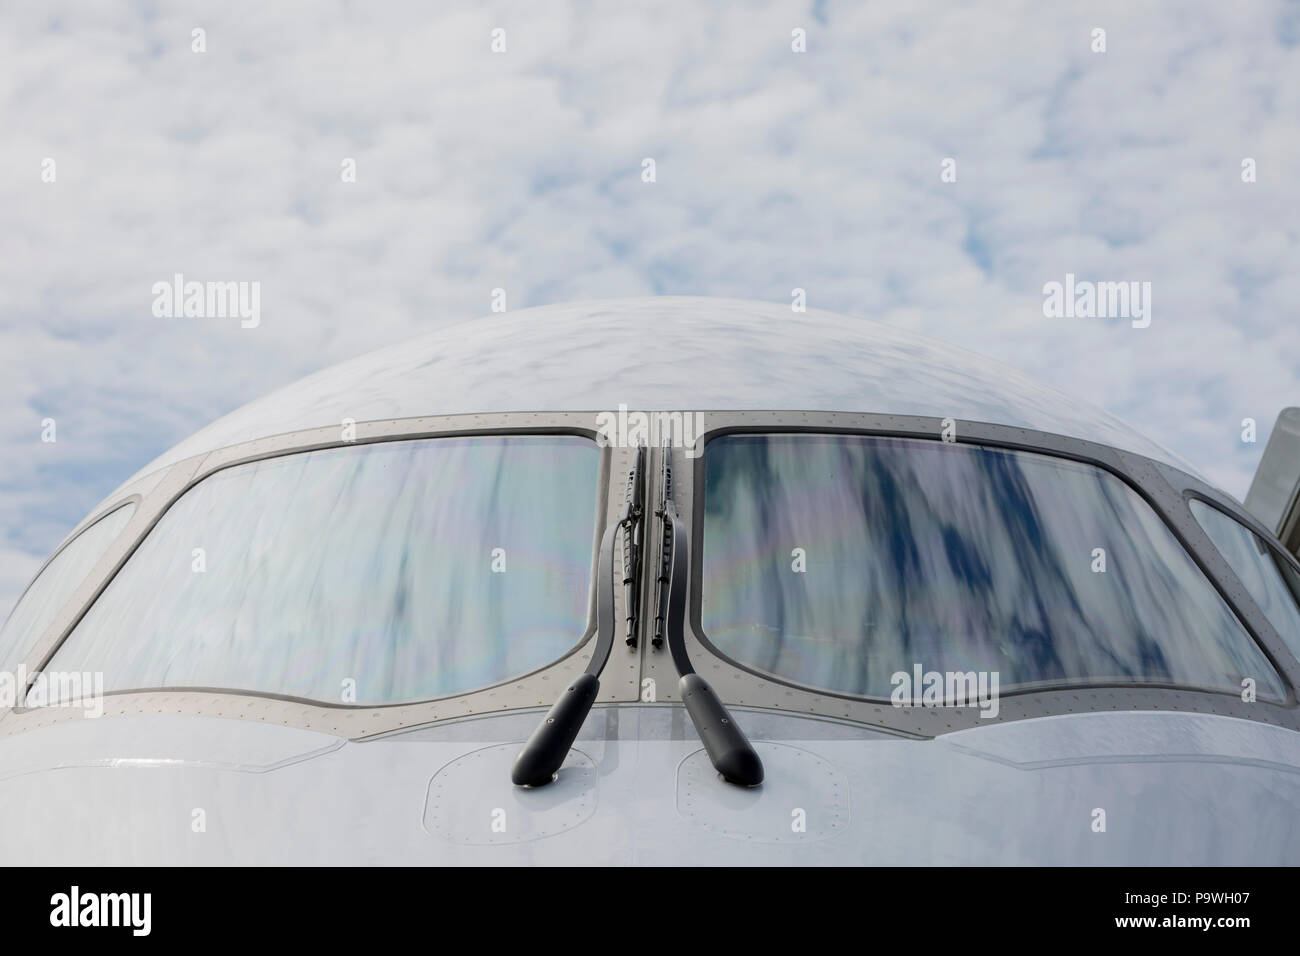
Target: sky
(522, 169)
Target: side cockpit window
(370, 574)
(55, 583)
(1268, 577)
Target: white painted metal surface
(667, 352)
(1215, 791)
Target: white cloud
(521, 170)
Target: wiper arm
(728, 748)
(540, 759)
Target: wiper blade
(665, 558)
(630, 519)
(728, 748)
(540, 759)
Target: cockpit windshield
(371, 574)
(839, 561)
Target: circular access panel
(803, 798)
(472, 801)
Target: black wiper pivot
(540, 759)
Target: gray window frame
(1162, 487)
(535, 689)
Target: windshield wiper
(540, 759)
(728, 748)
(630, 519)
(665, 556)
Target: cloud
(522, 170)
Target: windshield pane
(45, 597)
(838, 561)
(1263, 576)
(370, 574)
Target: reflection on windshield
(837, 561)
(370, 574)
